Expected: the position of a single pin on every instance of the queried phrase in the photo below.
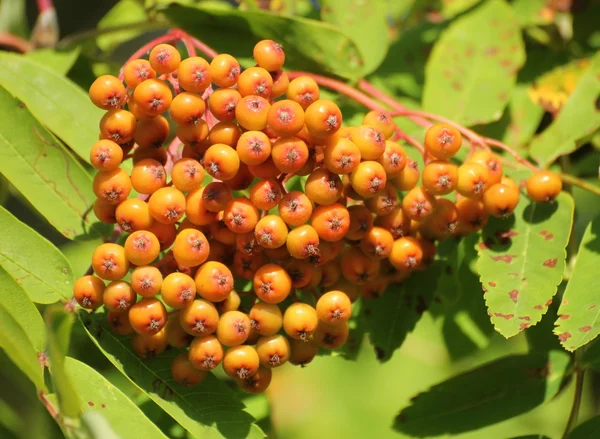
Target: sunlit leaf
(96, 394)
(43, 170)
(468, 78)
(54, 100)
(33, 262)
(486, 395)
(123, 13)
(579, 313)
(60, 61)
(209, 410)
(522, 260)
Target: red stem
(511, 151)
(11, 41)
(204, 48)
(44, 5)
(171, 36)
(189, 46)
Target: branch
(579, 375)
(15, 42)
(93, 33)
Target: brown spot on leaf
(504, 316)
(514, 295)
(504, 258)
(103, 406)
(538, 307)
(485, 290)
(564, 316)
(513, 274)
(492, 51)
(548, 303)
(547, 235)
(492, 284)
(550, 263)
(590, 308)
(527, 318)
(91, 404)
(483, 246)
(524, 326)
(564, 336)
(585, 328)
(456, 85)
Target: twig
(511, 151)
(574, 181)
(15, 42)
(205, 49)
(78, 37)
(579, 375)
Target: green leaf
(531, 12)
(451, 8)
(14, 339)
(579, 313)
(54, 100)
(98, 427)
(18, 303)
(587, 430)
(33, 262)
(13, 18)
(324, 47)
(60, 61)
(43, 170)
(363, 22)
(59, 323)
(578, 119)
(99, 396)
(486, 395)
(472, 69)
(209, 410)
(391, 317)
(522, 261)
(123, 13)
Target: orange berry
(323, 118)
(281, 81)
(303, 242)
(295, 208)
(407, 254)
(266, 194)
(258, 382)
(382, 121)
(361, 221)
(334, 307)
(152, 132)
(242, 180)
(88, 291)
(228, 133)
(164, 58)
(443, 222)
(371, 143)
(184, 372)
(118, 126)
(109, 261)
(246, 243)
(149, 346)
(148, 176)
(119, 322)
(255, 81)
(323, 187)
(150, 152)
(146, 281)
(241, 362)
(232, 303)
(269, 55)
(165, 233)
(191, 248)
(224, 70)
(384, 202)
(193, 74)
(187, 174)
(286, 118)
(133, 214)
(273, 350)
(271, 231)
(136, 72)
(289, 154)
(472, 180)
(330, 222)
(408, 177)
(265, 170)
(393, 159)
(359, 268)
(342, 157)
(142, 247)
(245, 265)
(148, 316)
(214, 281)
(107, 92)
(253, 147)
(300, 272)
(271, 283)
(220, 232)
(118, 296)
(377, 243)
(153, 96)
(215, 196)
(544, 186)
(251, 112)
(303, 90)
(265, 318)
(303, 352)
(206, 352)
(417, 204)
(223, 103)
(440, 177)
(233, 329)
(501, 199)
(187, 108)
(491, 162)
(105, 211)
(178, 289)
(199, 318)
(331, 336)
(442, 141)
(196, 209)
(368, 179)
(106, 155)
(300, 321)
(167, 205)
(240, 215)
(397, 222)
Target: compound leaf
(522, 260)
(209, 410)
(486, 395)
(472, 69)
(579, 313)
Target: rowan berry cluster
(217, 212)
